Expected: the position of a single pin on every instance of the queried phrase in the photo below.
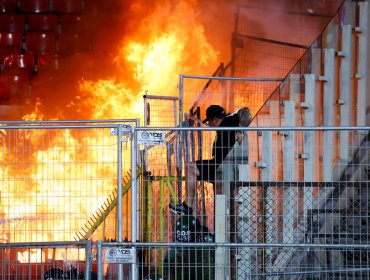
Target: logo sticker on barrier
(119, 255)
(150, 138)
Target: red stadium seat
(15, 88)
(48, 62)
(40, 42)
(8, 6)
(10, 44)
(66, 6)
(34, 6)
(69, 43)
(19, 64)
(71, 23)
(11, 39)
(42, 22)
(11, 23)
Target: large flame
(165, 43)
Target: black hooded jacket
(225, 139)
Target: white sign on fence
(119, 255)
(150, 138)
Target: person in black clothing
(205, 170)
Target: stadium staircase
(342, 217)
(340, 212)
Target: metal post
(220, 235)
(146, 110)
(181, 99)
(309, 120)
(309, 140)
(362, 34)
(345, 100)
(100, 260)
(289, 210)
(119, 195)
(134, 198)
(270, 205)
(328, 113)
(88, 260)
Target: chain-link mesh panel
(275, 220)
(161, 111)
(47, 261)
(59, 180)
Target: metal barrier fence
(161, 111)
(277, 214)
(198, 92)
(60, 180)
(47, 260)
(271, 212)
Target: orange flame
(166, 43)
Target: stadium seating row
(17, 78)
(35, 36)
(41, 22)
(43, 43)
(41, 6)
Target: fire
(166, 43)
(37, 114)
(109, 99)
(155, 63)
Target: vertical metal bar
(180, 145)
(289, 173)
(227, 178)
(119, 195)
(161, 223)
(309, 120)
(146, 113)
(119, 184)
(175, 113)
(137, 163)
(99, 260)
(134, 198)
(317, 109)
(266, 174)
(150, 211)
(181, 99)
(308, 141)
(328, 113)
(87, 259)
(362, 63)
(233, 43)
(220, 235)
(345, 90)
(289, 120)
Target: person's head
(214, 115)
